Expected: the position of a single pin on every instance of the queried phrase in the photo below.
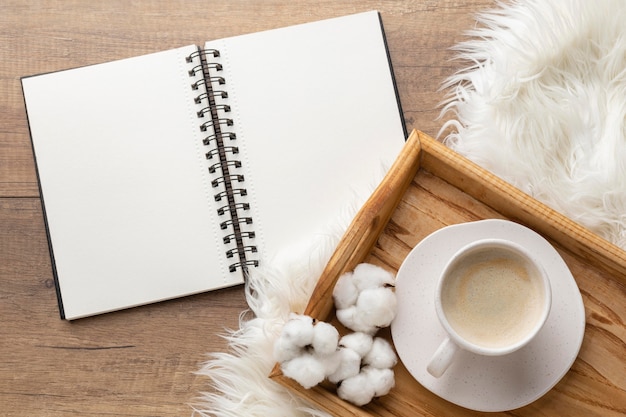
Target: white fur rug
(542, 104)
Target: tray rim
(421, 152)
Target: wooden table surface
(141, 362)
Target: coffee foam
(493, 299)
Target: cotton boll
(358, 390)
(346, 316)
(381, 355)
(349, 365)
(298, 330)
(325, 338)
(330, 362)
(367, 276)
(306, 370)
(350, 318)
(359, 342)
(345, 292)
(296, 333)
(285, 350)
(382, 380)
(377, 306)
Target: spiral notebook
(177, 172)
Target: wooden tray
(430, 187)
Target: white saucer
(478, 382)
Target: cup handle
(442, 358)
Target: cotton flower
(368, 384)
(365, 300)
(296, 334)
(349, 365)
(331, 363)
(299, 330)
(345, 292)
(360, 364)
(382, 380)
(351, 318)
(369, 373)
(305, 369)
(377, 306)
(359, 342)
(285, 350)
(325, 338)
(371, 276)
(307, 350)
(381, 355)
(358, 390)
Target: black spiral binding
(228, 182)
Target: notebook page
(122, 171)
(317, 120)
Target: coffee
(493, 298)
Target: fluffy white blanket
(542, 104)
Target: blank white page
(130, 215)
(317, 121)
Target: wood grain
(141, 362)
(449, 189)
(368, 224)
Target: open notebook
(174, 173)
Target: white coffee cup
(492, 298)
